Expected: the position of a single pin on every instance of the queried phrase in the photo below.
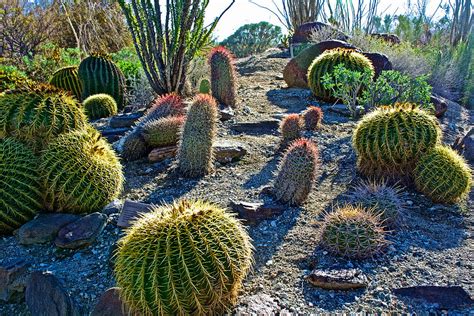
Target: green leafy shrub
(67, 79)
(191, 257)
(100, 105)
(11, 78)
(128, 62)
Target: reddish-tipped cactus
(291, 128)
(297, 172)
(169, 104)
(222, 75)
(163, 131)
(195, 154)
(312, 117)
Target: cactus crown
(169, 104)
(222, 76)
(312, 117)
(191, 257)
(291, 128)
(100, 105)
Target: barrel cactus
(312, 118)
(443, 175)
(165, 105)
(163, 132)
(20, 192)
(195, 153)
(99, 74)
(205, 86)
(38, 113)
(327, 61)
(188, 258)
(352, 232)
(222, 76)
(99, 106)
(291, 128)
(81, 172)
(296, 172)
(392, 138)
(67, 79)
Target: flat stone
(43, 228)
(110, 304)
(446, 297)
(226, 151)
(82, 232)
(114, 134)
(162, 153)
(45, 295)
(13, 277)
(124, 120)
(255, 213)
(345, 279)
(113, 207)
(341, 109)
(257, 128)
(226, 112)
(130, 211)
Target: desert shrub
(11, 77)
(253, 38)
(139, 93)
(127, 61)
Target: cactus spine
(291, 128)
(312, 118)
(99, 106)
(20, 193)
(297, 172)
(222, 76)
(99, 74)
(188, 258)
(67, 78)
(163, 132)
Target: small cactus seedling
(99, 106)
(205, 86)
(297, 172)
(443, 175)
(352, 232)
(291, 128)
(163, 131)
(222, 76)
(195, 153)
(312, 118)
(188, 258)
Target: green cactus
(67, 79)
(81, 172)
(222, 76)
(38, 113)
(188, 258)
(205, 86)
(99, 74)
(291, 128)
(297, 172)
(132, 146)
(163, 132)
(169, 104)
(99, 106)
(195, 153)
(20, 194)
(352, 232)
(443, 175)
(312, 118)
(327, 61)
(390, 139)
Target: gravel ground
(433, 246)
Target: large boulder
(296, 70)
(304, 31)
(44, 228)
(379, 61)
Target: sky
(244, 12)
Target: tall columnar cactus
(38, 113)
(390, 139)
(99, 74)
(443, 175)
(188, 258)
(67, 79)
(312, 118)
(352, 232)
(195, 153)
(100, 105)
(327, 61)
(163, 132)
(20, 195)
(297, 172)
(81, 172)
(291, 128)
(222, 76)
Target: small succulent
(312, 118)
(100, 105)
(291, 128)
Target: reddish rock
(304, 31)
(254, 213)
(82, 232)
(110, 304)
(389, 38)
(162, 153)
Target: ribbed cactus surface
(163, 131)
(67, 78)
(100, 105)
(222, 76)
(291, 128)
(188, 258)
(20, 186)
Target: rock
(162, 153)
(13, 277)
(114, 134)
(304, 31)
(379, 61)
(226, 151)
(346, 279)
(341, 109)
(257, 128)
(130, 211)
(389, 38)
(124, 120)
(295, 71)
(82, 232)
(440, 105)
(110, 304)
(43, 228)
(45, 296)
(446, 297)
(258, 304)
(254, 213)
(113, 207)
(226, 112)
(465, 145)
